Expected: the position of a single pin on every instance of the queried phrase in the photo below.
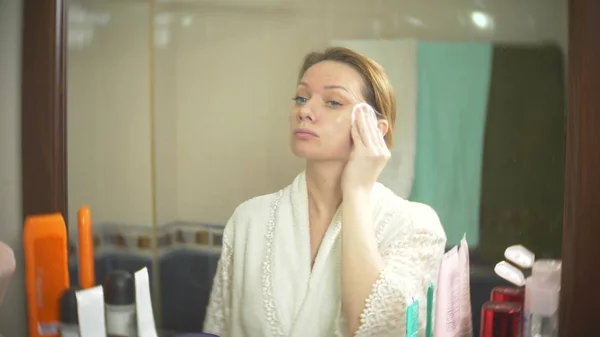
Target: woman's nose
(306, 113)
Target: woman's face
(321, 116)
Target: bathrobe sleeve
(412, 243)
(218, 312)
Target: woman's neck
(323, 183)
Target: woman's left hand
(369, 155)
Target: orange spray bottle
(86, 249)
(46, 272)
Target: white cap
(510, 273)
(547, 270)
(520, 256)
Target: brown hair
(377, 91)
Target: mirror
(178, 112)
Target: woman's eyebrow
(339, 87)
(329, 87)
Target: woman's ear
(383, 126)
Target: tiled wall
(187, 256)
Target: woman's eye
(334, 104)
(299, 99)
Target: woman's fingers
(378, 135)
(366, 127)
(355, 134)
(362, 123)
(373, 129)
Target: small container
(119, 301)
(548, 270)
(69, 320)
(542, 297)
(508, 294)
(501, 319)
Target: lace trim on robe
(267, 284)
(218, 311)
(406, 258)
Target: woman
(335, 253)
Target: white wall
(224, 77)
(108, 117)
(12, 313)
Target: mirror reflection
(180, 111)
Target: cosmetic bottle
(501, 319)
(542, 292)
(46, 272)
(69, 321)
(119, 300)
(86, 248)
(521, 257)
(508, 294)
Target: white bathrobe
(264, 285)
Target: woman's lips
(305, 133)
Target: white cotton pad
(520, 256)
(356, 108)
(510, 273)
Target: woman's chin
(303, 152)
(308, 152)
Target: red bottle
(501, 319)
(508, 294)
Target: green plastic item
(429, 326)
(412, 319)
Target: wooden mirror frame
(44, 145)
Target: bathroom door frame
(44, 144)
(43, 107)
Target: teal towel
(453, 85)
